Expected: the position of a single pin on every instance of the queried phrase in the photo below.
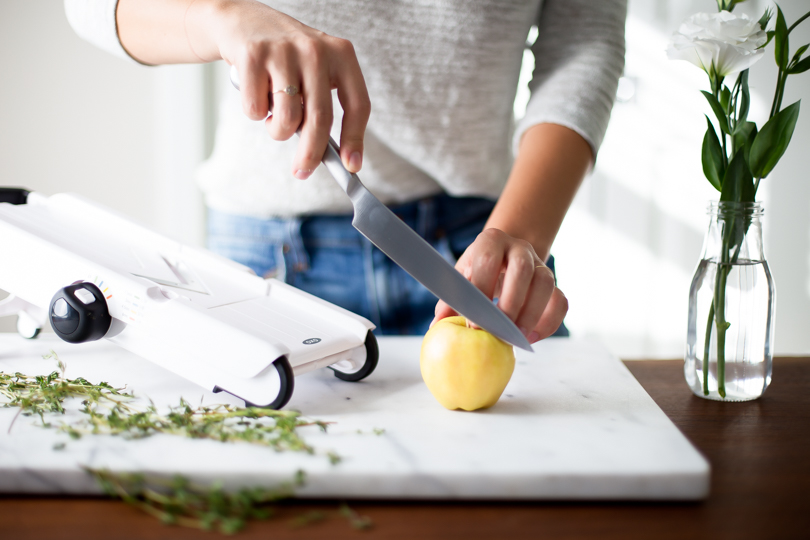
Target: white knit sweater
(442, 77)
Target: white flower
(725, 41)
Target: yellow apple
(465, 368)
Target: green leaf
(719, 112)
(770, 34)
(800, 67)
(744, 138)
(712, 157)
(745, 102)
(772, 140)
(725, 98)
(800, 52)
(764, 20)
(738, 184)
(781, 50)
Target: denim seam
(298, 255)
(426, 218)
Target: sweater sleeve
(94, 21)
(579, 57)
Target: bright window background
(629, 245)
(73, 118)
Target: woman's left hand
(509, 269)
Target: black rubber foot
(13, 195)
(25, 332)
(372, 355)
(35, 335)
(285, 374)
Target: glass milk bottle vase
(732, 300)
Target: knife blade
(413, 254)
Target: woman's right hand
(271, 51)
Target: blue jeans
(325, 256)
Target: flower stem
(781, 92)
(707, 350)
(717, 85)
(721, 325)
(776, 95)
(797, 23)
(719, 303)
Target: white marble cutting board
(572, 424)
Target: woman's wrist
(207, 23)
(167, 31)
(199, 21)
(551, 163)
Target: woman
(437, 146)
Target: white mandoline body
(199, 315)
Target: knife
(413, 254)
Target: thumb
(442, 311)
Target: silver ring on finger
(290, 90)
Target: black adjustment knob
(79, 313)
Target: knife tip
(517, 339)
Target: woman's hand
(272, 52)
(506, 260)
(509, 269)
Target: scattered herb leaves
(356, 520)
(108, 410)
(177, 501)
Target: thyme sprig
(111, 411)
(42, 394)
(224, 423)
(178, 501)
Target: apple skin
(465, 368)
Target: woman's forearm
(551, 163)
(189, 31)
(157, 31)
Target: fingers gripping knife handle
(332, 156)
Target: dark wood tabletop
(759, 453)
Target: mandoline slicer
(93, 273)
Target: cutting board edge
(660, 487)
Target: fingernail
(532, 337)
(524, 331)
(302, 174)
(355, 161)
(432, 322)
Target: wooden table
(759, 453)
